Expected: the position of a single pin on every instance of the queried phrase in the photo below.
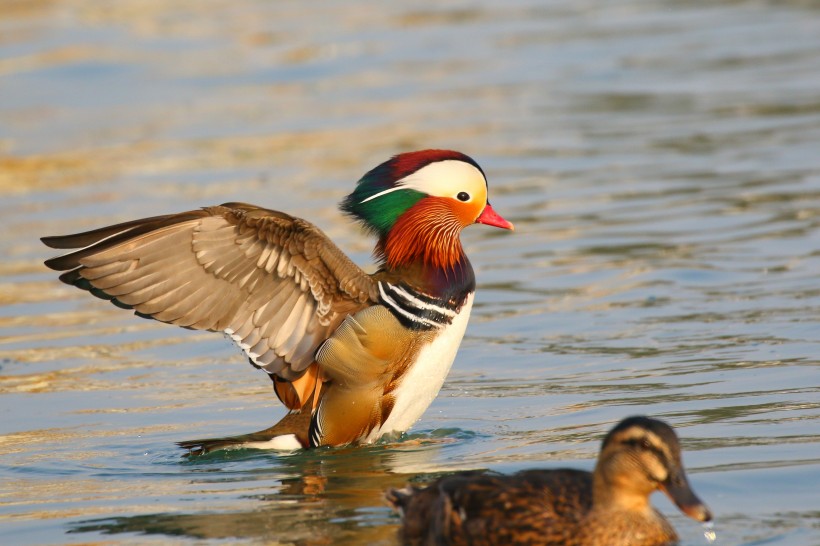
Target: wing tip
(58, 263)
(51, 241)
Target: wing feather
(275, 283)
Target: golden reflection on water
(307, 504)
(59, 170)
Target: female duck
(608, 507)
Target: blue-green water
(661, 162)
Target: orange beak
(492, 218)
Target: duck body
(561, 507)
(531, 507)
(353, 356)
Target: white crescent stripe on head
(375, 195)
(442, 179)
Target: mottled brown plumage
(564, 507)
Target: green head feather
(379, 214)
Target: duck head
(639, 456)
(417, 203)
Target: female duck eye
(463, 196)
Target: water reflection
(323, 496)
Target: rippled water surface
(661, 162)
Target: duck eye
(463, 196)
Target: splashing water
(709, 532)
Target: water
(659, 159)
(709, 532)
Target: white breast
(425, 377)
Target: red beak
(492, 218)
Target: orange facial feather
(428, 232)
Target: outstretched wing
(276, 284)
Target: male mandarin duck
(564, 507)
(352, 355)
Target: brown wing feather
(275, 282)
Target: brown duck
(608, 507)
(352, 355)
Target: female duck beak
(492, 218)
(677, 488)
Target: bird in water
(352, 355)
(562, 507)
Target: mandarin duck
(562, 507)
(353, 356)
